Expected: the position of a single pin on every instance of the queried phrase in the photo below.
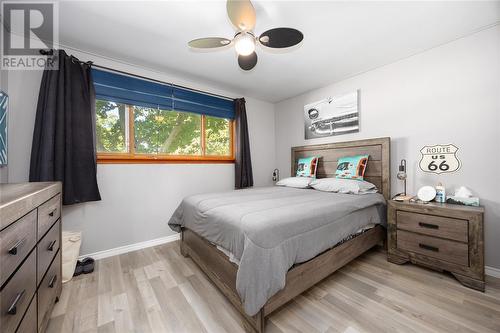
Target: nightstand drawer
(437, 226)
(450, 251)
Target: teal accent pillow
(352, 167)
(306, 167)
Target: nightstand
(444, 237)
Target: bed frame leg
(183, 248)
(255, 324)
(261, 321)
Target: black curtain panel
(243, 165)
(64, 137)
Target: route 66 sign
(439, 159)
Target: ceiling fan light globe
(244, 44)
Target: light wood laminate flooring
(158, 290)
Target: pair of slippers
(84, 266)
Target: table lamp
(402, 174)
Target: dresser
(443, 237)
(30, 255)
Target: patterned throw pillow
(352, 167)
(307, 167)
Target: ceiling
(341, 39)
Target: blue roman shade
(193, 101)
(125, 89)
(130, 90)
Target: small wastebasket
(71, 242)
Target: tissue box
(471, 201)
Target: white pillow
(297, 182)
(349, 186)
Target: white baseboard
(132, 247)
(492, 271)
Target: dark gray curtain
(243, 165)
(64, 137)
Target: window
(178, 126)
(127, 133)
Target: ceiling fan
(242, 15)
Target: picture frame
(335, 115)
(4, 105)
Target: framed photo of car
(332, 116)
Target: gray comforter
(269, 229)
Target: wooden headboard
(377, 171)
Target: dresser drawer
(29, 322)
(48, 213)
(447, 250)
(17, 294)
(437, 226)
(47, 249)
(48, 291)
(16, 241)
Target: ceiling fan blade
(247, 62)
(281, 38)
(241, 13)
(209, 43)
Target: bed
(286, 240)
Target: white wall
(137, 199)
(450, 94)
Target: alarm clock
(426, 193)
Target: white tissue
(463, 192)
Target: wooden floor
(157, 290)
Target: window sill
(117, 159)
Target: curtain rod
(92, 64)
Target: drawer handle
(52, 212)
(51, 245)
(428, 247)
(19, 243)
(13, 307)
(52, 281)
(428, 225)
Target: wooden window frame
(131, 157)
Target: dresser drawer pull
(51, 245)
(52, 212)
(428, 225)
(428, 247)
(52, 281)
(19, 243)
(13, 307)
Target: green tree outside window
(160, 132)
